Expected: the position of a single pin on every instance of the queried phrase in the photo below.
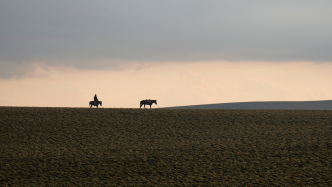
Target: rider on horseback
(95, 102)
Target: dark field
(164, 147)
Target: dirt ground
(164, 147)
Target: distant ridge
(281, 105)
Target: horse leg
(150, 106)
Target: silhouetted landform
(282, 105)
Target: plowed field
(164, 147)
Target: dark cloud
(81, 33)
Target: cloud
(189, 78)
(105, 34)
(22, 70)
(171, 84)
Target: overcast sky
(115, 36)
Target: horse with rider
(95, 102)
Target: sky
(188, 52)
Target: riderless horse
(147, 102)
(95, 103)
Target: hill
(280, 105)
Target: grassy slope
(283, 105)
(59, 146)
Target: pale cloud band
(172, 84)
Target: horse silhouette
(147, 102)
(95, 103)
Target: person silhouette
(95, 98)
